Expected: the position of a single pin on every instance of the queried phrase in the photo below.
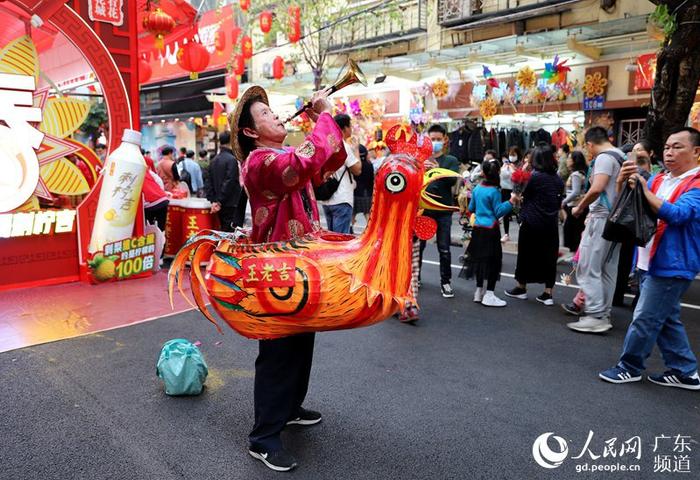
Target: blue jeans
(444, 227)
(339, 217)
(657, 321)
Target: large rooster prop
(324, 280)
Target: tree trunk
(318, 78)
(677, 75)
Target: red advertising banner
(38, 248)
(646, 72)
(164, 65)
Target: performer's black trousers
(281, 380)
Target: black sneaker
(517, 292)
(545, 298)
(279, 461)
(306, 418)
(447, 291)
(572, 309)
(674, 379)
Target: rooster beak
(427, 200)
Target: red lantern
(247, 47)
(278, 68)
(145, 71)
(238, 64)
(232, 86)
(245, 4)
(158, 23)
(220, 41)
(294, 23)
(194, 58)
(235, 33)
(266, 21)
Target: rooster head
(401, 181)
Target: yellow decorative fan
(20, 57)
(63, 178)
(63, 116)
(28, 206)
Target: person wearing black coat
(225, 193)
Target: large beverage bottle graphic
(123, 176)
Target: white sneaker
(591, 325)
(479, 294)
(505, 238)
(491, 300)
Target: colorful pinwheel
(556, 71)
(488, 76)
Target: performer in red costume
(278, 182)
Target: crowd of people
(214, 177)
(572, 187)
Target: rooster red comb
(402, 139)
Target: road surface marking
(510, 275)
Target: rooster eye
(395, 183)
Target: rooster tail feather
(176, 273)
(201, 252)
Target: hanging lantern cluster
(232, 86)
(194, 58)
(235, 34)
(278, 68)
(220, 41)
(294, 25)
(244, 4)
(266, 21)
(247, 47)
(238, 64)
(159, 24)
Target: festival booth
(60, 64)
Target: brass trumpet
(352, 75)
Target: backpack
(603, 196)
(328, 188)
(186, 177)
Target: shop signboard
(106, 11)
(594, 103)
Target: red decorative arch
(111, 51)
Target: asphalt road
(463, 395)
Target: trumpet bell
(352, 75)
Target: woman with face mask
(509, 166)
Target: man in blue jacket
(670, 263)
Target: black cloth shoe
(306, 418)
(279, 461)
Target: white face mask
(513, 159)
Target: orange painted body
(322, 281)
